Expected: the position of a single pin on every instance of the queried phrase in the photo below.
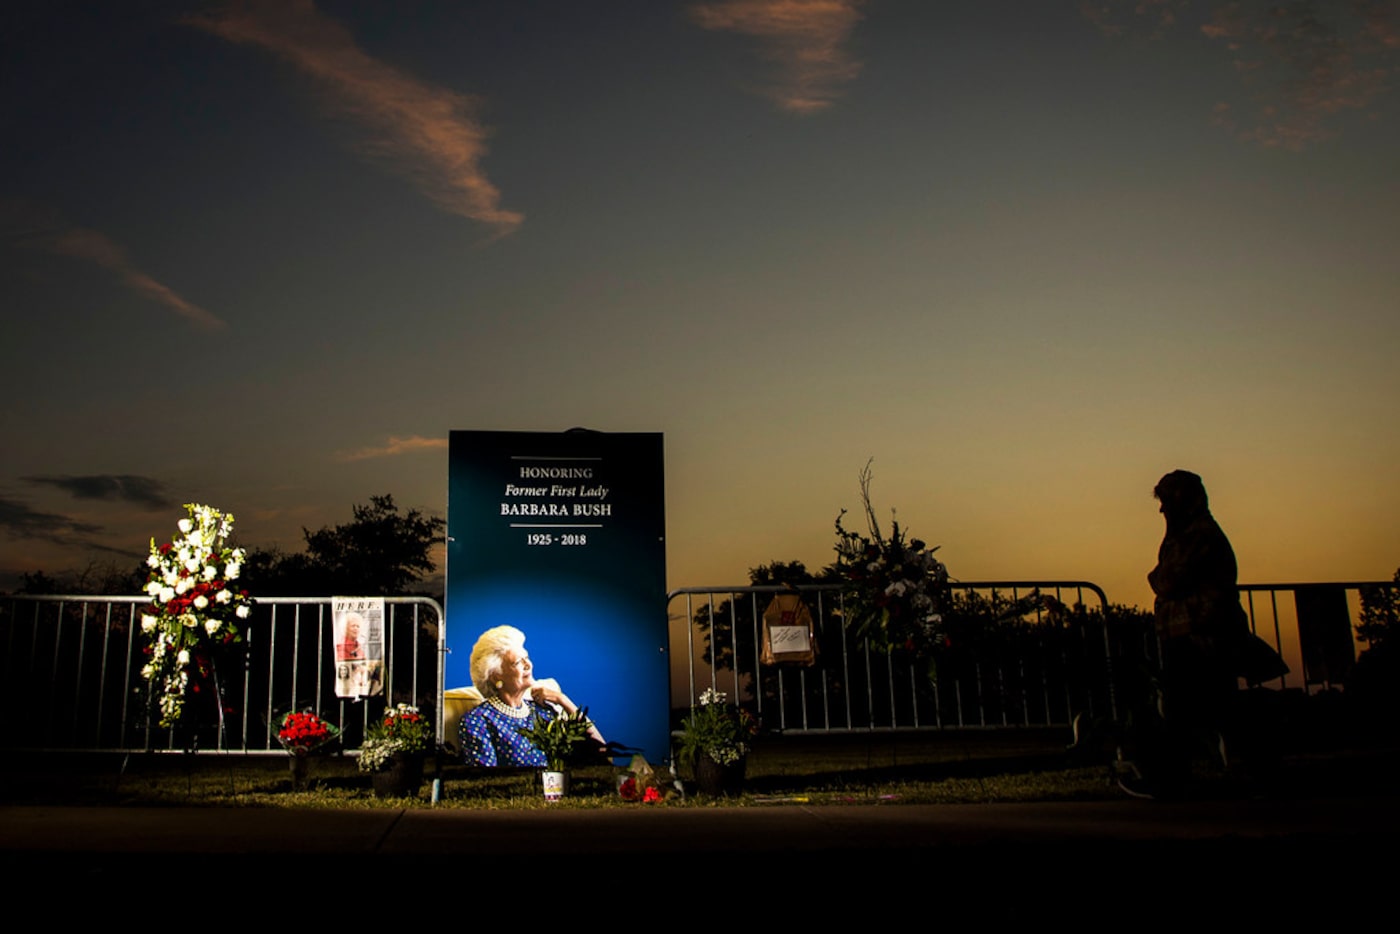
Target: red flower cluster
(303, 729)
(630, 791)
(394, 719)
(182, 603)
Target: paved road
(667, 831)
(1274, 859)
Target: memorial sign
(562, 536)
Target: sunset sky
(1029, 255)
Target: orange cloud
(429, 134)
(1302, 64)
(805, 39)
(93, 246)
(395, 447)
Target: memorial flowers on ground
(303, 732)
(403, 731)
(716, 729)
(195, 605)
(639, 782)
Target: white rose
(183, 658)
(167, 594)
(182, 585)
(192, 565)
(148, 622)
(211, 572)
(241, 612)
(153, 561)
(200, 602)
(211, 626)
(189, 620)
(223, 596)
(184, 526)
(153, 588)
(233, 570)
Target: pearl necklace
(501, 707)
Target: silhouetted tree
(380, 552)
(1374, 686)
(1380, 613)
(98, 577)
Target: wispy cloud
(804, 39)
(395, 447)
(429, 134)
(1304, 63)
(17, 520)
(1301, 65)
(130, 488)
(33, 226)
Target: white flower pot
(556, 785)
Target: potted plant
(303, 733)
(715, 743)
(557, 738)
(393, 751)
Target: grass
(871, 769)
(875, 769)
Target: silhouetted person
(1204, 632)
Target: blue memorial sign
(562, 535)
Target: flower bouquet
(898, 593)
(639, 782)
(194, 605)
(715, 742)
(394, 749)
(403, 732)
(302, 733)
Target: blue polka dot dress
(489, 734)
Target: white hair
(488, 655)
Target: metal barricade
(1313, 626)
(1053, 661)
(70, 674)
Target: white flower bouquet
(195, 605)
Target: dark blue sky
(1030, 258)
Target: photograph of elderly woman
(505, 697)
(357, 626)
(561, 535)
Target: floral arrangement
(558, 736)
(716, 729)
(194, 604)
(632, 790)
(404, 730)
(302, 732)
(639, 782)
(898, 591)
